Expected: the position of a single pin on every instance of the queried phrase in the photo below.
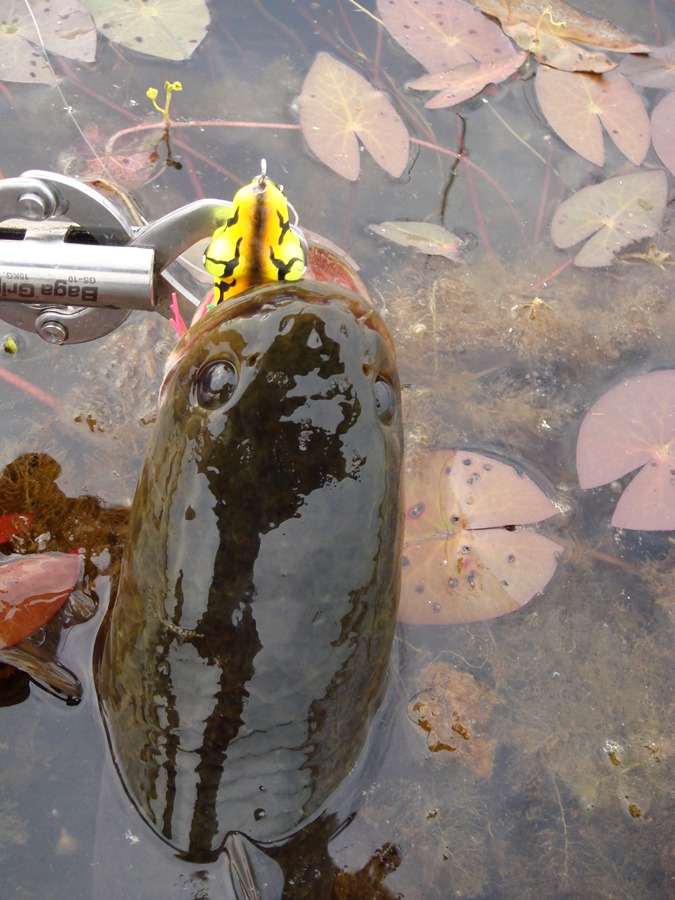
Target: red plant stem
(478, 215)
(33, 390)
(352, 34)
(472, 165)
(186, 148)
(65, 68)
(189, 167)
(350, 214)
(377, 56)
(544, 197)
(655, 20)
(206, 123)
(547, 278)
(10, 99)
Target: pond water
(549, 767)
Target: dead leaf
(458, 565)
(663, 130)
(337, 107)
(425, 237)
(32, 590)
(464, 82)
(64, 27)
(633, 425)
(617, 213)
(453, 711)
(557, 18)
(551, 50)
(575, 105)
(654, 70)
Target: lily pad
(338, 107)
(32, 590)
(663, 130)
(458, 564)
(425, 237)
(170, 29)
(576, 105)
(617, 212)
(655, 70)
(64, 27)
(561, 20)
(558, 52)
(633, 426)
(443, 34)
(465, 81)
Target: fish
(247, 651)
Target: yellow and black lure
(257, 244)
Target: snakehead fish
(247, 650)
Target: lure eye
(385, 400)
(216, 383)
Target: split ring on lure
(257, 244)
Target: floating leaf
(656, 70)
(337, 106)
(65, 27)
(557, 18)
(663, 130)
(556, 51)
(464, 82)
(170, 29)
(617, 212)
(443, 34)
(458, 566)
(13, 524)
(423, 236)
(32, 590)
(575, 104)
(632, 426)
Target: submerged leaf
(617, 212)
(32, 590)
(170, 29)
(423, 236)
(443, 34)
(655, 70)
(556, 51)
(337, 107)
(576, 103)
(458, 565)
(464, 82)
(630, 426)
(663, 130)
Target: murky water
(556, 779)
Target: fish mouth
(258, 300)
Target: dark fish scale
(248, 646)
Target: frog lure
(257, 244)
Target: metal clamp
(72, 266)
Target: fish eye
(216, 383)
(385, 399)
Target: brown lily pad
(459, 565)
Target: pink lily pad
(663, 130)
(443, 34)
(467, 80)
(337, 108)
(655, 70)
(633, 426)
(32, 590)
(459, 565)
(577, 105)
(617, 212)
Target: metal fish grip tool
(72, 266)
